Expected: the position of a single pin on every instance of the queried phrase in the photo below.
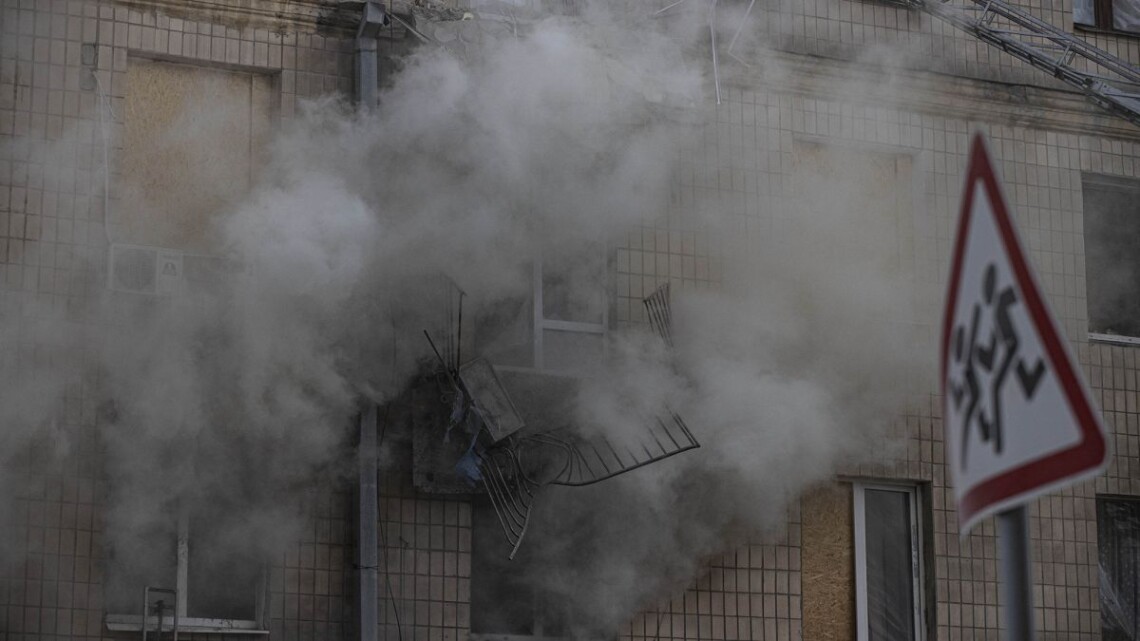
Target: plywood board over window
(828, 564)
(856, 203)
(192, 144)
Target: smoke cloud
(226, 402)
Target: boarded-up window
(852, 229)
(863, 563)
(828, 565)
(190, 149)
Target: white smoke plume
(228, 402)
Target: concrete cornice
(275, 15)
(931, 93)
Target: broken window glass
(1118, 543)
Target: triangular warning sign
(1019, 420)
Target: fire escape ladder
(1111, 83)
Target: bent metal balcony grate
(512, 466)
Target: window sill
(1114, 339)
(131, 623)
(497, 637)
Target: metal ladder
(1109, 82)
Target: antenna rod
(459, 339)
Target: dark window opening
(1112, 262)
(222, 578)
(503, 600)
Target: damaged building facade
(835, 129)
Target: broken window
(210, 574)
(1115, 15)
(1112, 266)
(469, 434)
(889, 602)
(1118, 545)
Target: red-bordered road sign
(1019, 420)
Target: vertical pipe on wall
(367, 542)
(372, 19)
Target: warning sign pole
(1020, 421)
(1014, 573)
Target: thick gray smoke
(227, 402)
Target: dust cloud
(226, 402)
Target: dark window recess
(1118, 541)
(140, 557)
(1112, 262)
(223, 574)
(890, 583)
(1114, 15)
(503, 601)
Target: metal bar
(494, 493)
(413, 30)
(458, 340)
(653, 433)
(182, 569)
(574, 326)
(668, 433)
(684, 427)
(668, 7)
(743, 21)
(539, 360)
(1085, 50)
(368, 517)
(1014, 572)
(712, 37)
(601, 461)
(160, 609)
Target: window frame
(187, 624)
(1100, 499)
(917, 548)
(1103, 12)
(543, 324)
(536, 362)
(1104, 182)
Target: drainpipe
(367, 543)
(372, 19)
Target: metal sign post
(1014, 573)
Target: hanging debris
(485, 443)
